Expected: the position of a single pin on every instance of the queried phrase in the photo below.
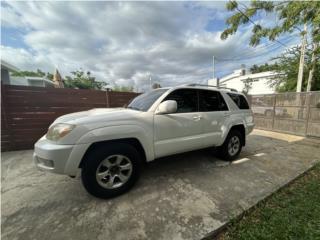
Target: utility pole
(213, 77)
(301, 64)
(212, 67)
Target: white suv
(109, 145)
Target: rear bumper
(61, 159)
(249, 128)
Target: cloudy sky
(124, 43)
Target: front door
(180, 131)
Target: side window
(186, 99)
(210, 101)
(239, 100)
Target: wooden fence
(295, 113)
(26, 112)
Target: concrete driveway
(185, 196)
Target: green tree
(263, 68)
(38, 73)
(287, 65)
(247, 85)
(82, 80)
(49, 76)
(291, 16)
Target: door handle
(196, 118)
(227, 114)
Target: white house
(260, 82)
(7, 79)
(6, 68)
(31, 81)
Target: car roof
(203, 87)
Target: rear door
(214, 111)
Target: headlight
(59, 131)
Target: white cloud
(25, 60)
(10, 18)
(122, 42)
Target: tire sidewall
(89, 168)
(224, 152)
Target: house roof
(8, 66)
(17, 80)
(39, 79)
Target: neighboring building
(7, 79)
(57, 79)
(31, 81)
(39, 82)
(6, 68)
(259, 82)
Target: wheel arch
(132, 141)
(241, 129)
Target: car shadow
(207, 158)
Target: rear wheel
(111, 171)
(232, 146)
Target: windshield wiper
(134, 108)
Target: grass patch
(291, 213)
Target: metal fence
(295, 113)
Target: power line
(263, 50)
(254, 55)
(240, 11)
(260, 48)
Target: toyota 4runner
(109, 145)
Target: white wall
(213, 82)
(260, 84)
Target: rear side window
(187, 100)
(239, 100)
(211, 101)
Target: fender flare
(119, 132)
(226, 131)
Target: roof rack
(204, 85)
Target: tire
(111, 171)
(224, 150)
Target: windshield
(144, 101)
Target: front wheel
(232, 146)
(111, 171)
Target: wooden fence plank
(27, 112)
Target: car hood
(101, 115)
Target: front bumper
(51, 157)
(57, 158)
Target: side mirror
(166, 107)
